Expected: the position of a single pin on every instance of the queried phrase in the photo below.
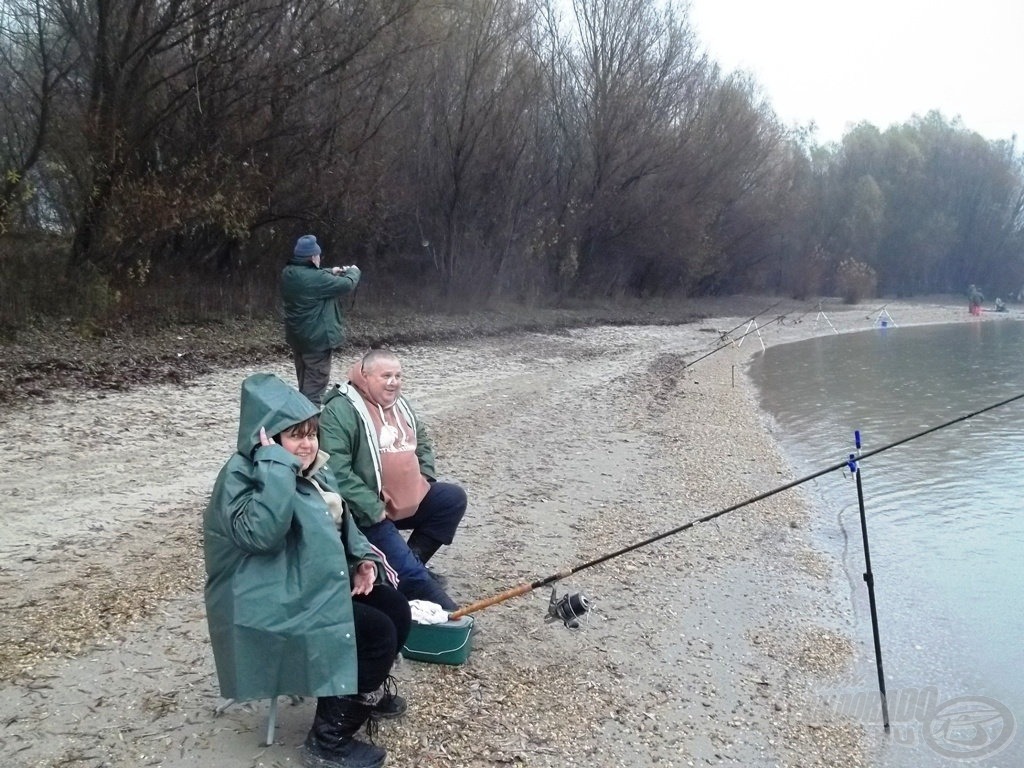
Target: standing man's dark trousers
(313, 370)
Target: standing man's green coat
(313, 320)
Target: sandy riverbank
(705, 648)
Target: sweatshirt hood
(357, 379)
(269, 403)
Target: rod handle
(479, 605)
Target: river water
(945, 521)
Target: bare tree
(633, 71)
(188, 124)
(732, 178)
(35, 58)
(472, 128)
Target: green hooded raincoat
(278, 595)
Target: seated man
(384, 465)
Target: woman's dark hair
(302, 429)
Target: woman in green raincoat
(298, 602)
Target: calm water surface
(945, 513)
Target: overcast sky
(839, 63)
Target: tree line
(521, 149)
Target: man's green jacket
(313, 320)
(347, 435)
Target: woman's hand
(364, 577)
(264, 440)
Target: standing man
(313, 323)
(384, 464)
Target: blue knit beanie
(306, 247)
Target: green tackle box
(448, 643)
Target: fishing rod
(755, 329)
(738, 338)
(875, 311)
(751, 319)
(571, 607)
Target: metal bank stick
(869, 577)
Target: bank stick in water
(869, 577)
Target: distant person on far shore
(313, 320)
(974, 299)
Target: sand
(705, 648)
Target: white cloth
(426, 612)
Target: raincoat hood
(269, 403)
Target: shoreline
(572, 444)
(912, 739)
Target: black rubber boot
(331, 742)
(385, 703)
(424, 547)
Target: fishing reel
(569, 608)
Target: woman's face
(301, 441)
